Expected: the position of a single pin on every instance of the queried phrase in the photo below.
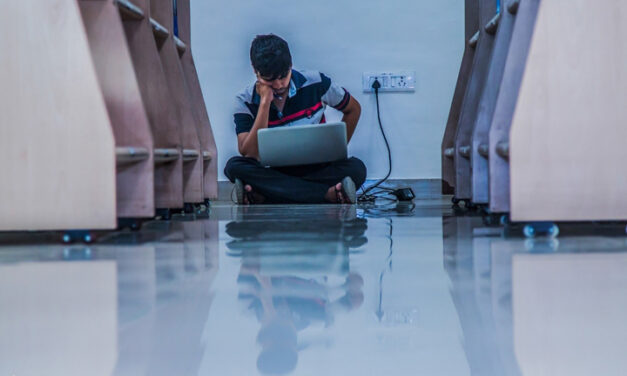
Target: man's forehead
(259, 76)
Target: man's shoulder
(306, 77)
(246, 94)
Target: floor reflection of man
(301, 283)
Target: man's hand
(265, 92)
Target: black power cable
(366, 196)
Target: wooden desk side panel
(480, 172)
(163, 12)
(448, 141)
(135, 183)
(204, 126)
(474, 90)
(184, 21)
(192, 171)
(568, 132)
(506, 103)
(57, 152)
(159, 108)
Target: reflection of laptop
(302, 144)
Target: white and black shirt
(310, 92)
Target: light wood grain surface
(207, 141)
(567, 142)
(193, 176)
(506, 103)
(160, 107)
(135, 181)
(448, 140)
(470, 106)
(487, 104)
(57, 151)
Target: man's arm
(352, 112)
(247, 141)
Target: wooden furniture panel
(182, 100)
(205, 132)
(480, 138)
(160, 108)
(448, 142)
(506, 103)
(470, 106)
(135, 169)
(567, 154)
(57, 151)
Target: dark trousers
(295, 184)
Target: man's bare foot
(335, 195)
(251, 197)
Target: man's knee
(236, 166)
(358, 171)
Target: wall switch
(390, 81)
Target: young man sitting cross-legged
(282, 96)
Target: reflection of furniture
(61, 320)
(554, 149)
(569, 313)
(113, 125)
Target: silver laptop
(302, 144)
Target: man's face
(280, 86)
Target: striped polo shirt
(310, 92)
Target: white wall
(343, 39)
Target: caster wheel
(165, 214)
(135, 226)
(504, 220)
(202, 211)
(73, 236)
(130, 223)
(67, 239)
(189, 208)
(470, 206)
(529, 231)
(541, 229)
(490, 220)
(88, 239)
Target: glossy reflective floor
(316, 290)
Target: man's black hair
(270, 56)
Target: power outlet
(390, 81)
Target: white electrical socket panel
(390, 81)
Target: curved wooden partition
(470, 106)
(506, 103)
(158, 101)
(162, 17)
(57, 150)
(448, 141)
(207, 141)
(135, 168)
(567, 142)
(480, 138)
